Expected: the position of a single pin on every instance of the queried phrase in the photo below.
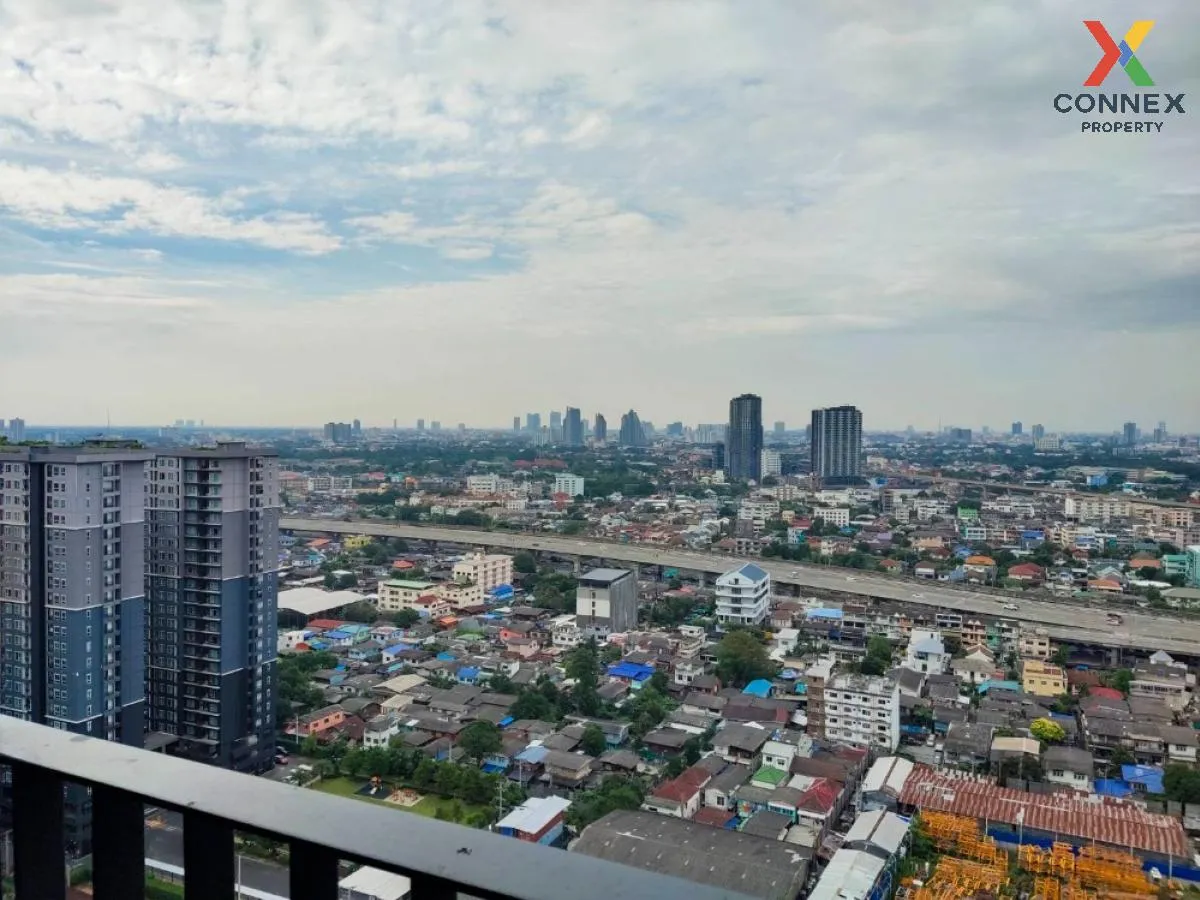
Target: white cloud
(73, 200)
(842, 199)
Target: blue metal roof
(750, 570)
(999, 686)
(532, 755)
(636, 671)
(338, 635)
(506, 721)
(760, 688)
(1151, 777)
(1112, 787)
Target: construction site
(971, 864)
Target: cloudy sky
(289, 211)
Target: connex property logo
(1142, 103)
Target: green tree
(501, 684)
(615, 792)
(593, 742)
(524, 563)
(360, 612)
(583, 666)
(405, 618)
(1047, 731)
(741, 658)
(532, 704)
(480, 739)
(1181, 783)
(1119, 680)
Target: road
(1061, 619)
(164, 843)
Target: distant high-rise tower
(533, 423)
(1130, 433)
(435, 425)
(556, 432)
(1017, 428)
(600, 429)
(420, 424)
(744, 439)
(780, 429)
(675, 430)
(718, 456)
(573, 427)
(632, 433)
(837, 445)
(16, 430)
(1038, 432)
(356, 428)
(212, 559)
(1160, 433)
(516, 423)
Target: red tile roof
(1082, 817)
(326, 624)
(713, 816)
(1105, 693)
(820, 796)
(683, 788)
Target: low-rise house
(317, 722)
(1069, 766)
(379, 731)
(926, 653)
(978, 666)
(884, 782)
(1042, 679)
(539, 820)
(967, 744)
(569, 769)
(680, 797)
(740, 743)
(719, 791)
(1179, 743)
(1162, 678)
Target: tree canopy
(741, 658)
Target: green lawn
(428, 805)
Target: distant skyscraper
(16, 430)
(573, 427)
(338, 432)
(718, 455)
(837, 445)
(212, 562)
(516, 423)
(675, 430)
(632, 433)
(1130, 433)
(780, 429)
(1017, 428)
(356, 428)
(533, 423)
(1038, 432)
(420, 424)
(744, 439)
(600, 430)
(72, 596)
(1160, 433)
(556, 432)
(435, 425)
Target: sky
(284, 212)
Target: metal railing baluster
(118, 844)
(209, 860)
(39, 850)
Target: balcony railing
(443, 861)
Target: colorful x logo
(1120, 53)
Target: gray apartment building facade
(212, 557)
(72, 598)
(744, 439)
(606, 601)
(837, 446)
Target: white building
(863, 710)
(743, 596)
(1096, 508)
(926, 653)
(488, 570)
(330, 484)
(772, 463)
(565, 633)
(838, 516)
(571, 485)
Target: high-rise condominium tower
(744, 439)
(837, 445)
(212, 561)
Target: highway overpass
(1063, 620)
(1000, 488)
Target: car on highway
(1011, 607)
(851, 578)
(918, 596)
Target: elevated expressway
(1062, 619)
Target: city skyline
(201, 180)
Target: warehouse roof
(1084, 817)
(729, 860)
(309, 601)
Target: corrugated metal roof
(1083, 818)
(882, 829)
(888, 773)
(534, 814)
(850, 875)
